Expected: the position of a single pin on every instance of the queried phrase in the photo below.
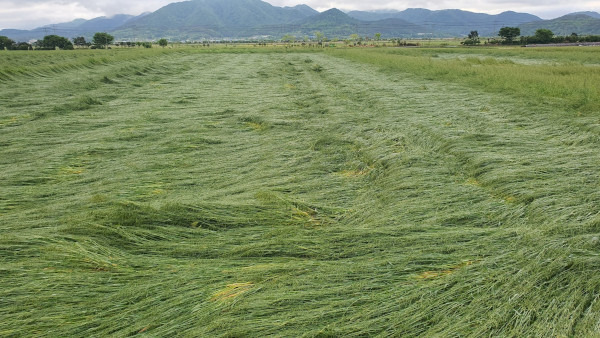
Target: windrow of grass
(41, 64)
(53, 63)
(566, 77)
(292, 194)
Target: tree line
(512, 36)
(52, 42)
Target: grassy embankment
(180, 192)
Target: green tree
(55, 41)
(163, 43)
(472, 39)
(573, 37)
(377, 36)
(543, 35)
(509, 33)
(320, 37)
(6, 43)
(79, 41)
(102, 40)
(288, 38)
(22, 46)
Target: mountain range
(77, 27)
(200, 19)
(452, 22)
(238, 19)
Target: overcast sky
(28, 14)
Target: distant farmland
(343, 192)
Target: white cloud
(15, 15)
(28, 14)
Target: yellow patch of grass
(98, 199)
(307, 216)
(232, 291)
(355, 173)
(255, 126)
(289, 86)
(72, 170)
(473, 181)
(10, 121)
(442, 273)
(510, 199)
(152, 190)
(434, 274)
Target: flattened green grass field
(232, 192)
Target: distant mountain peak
(334, 11)
(330, 17)
(305, 9)
(589, 13)
(300, 7)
